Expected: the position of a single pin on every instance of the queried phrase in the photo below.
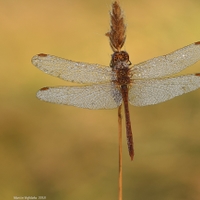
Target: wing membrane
(101, 96)
(168, 64)
(72, 71)
(154, 91)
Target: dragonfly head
(120, 59)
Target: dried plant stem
(117, 37)
(120, 150)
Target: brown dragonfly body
(120, 64)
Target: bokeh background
(70, 153)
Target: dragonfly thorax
(123, 76)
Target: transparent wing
(101, 96)
(154, 91)
(168, 64)
(72, 71)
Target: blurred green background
(70, 153)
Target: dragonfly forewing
(154, 91)
(101, 96)
(168, 64)
(68, 70)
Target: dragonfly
(107, 87)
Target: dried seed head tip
(117, 28)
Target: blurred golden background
(70, 153)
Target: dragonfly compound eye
(121, 56)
